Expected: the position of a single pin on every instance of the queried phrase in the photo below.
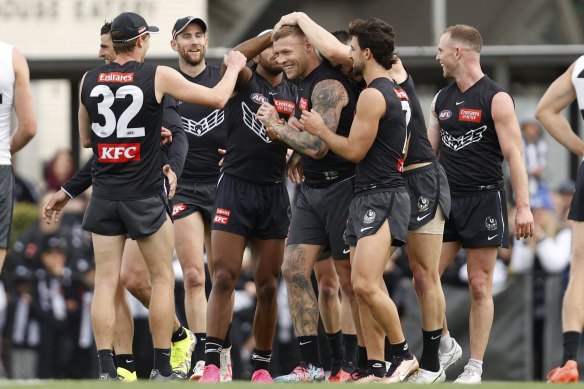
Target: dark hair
(122, 47)
(376, 35)
(465, 34)
(342, 36)
(106, 28)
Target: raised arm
(370, 109)
(250, 49)
(434, 127)
(328, 46)
(23, 105)
(559, 96)
(170, 82)
(509, 135)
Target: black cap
(182, 23)
(131, 25)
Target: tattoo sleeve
(328, 99)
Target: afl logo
(444, 115)
(369, 217)
(491, 223)
(258, 98)
(423, 203)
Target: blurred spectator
(59, 170)
(535, 151)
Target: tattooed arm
(329, 97)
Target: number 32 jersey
(125, 121)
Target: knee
(363, 290)
(135, 282)
(224, 280)
(480, 287)
(424, 280)
(193, 278)
(328, 289)
(267, 290)
(291, 270)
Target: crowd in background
(47, 281)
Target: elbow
(29, 129)
(318, 153)
(220, 102)
(86, 143)
(355, 158)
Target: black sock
(213, 347)
(199, 354)
(377, 368)
(261, 359)
(125, 361)
(106, 363)
(162, 361)
(362, 360)
(429, 360)
(179, 334)
(350, 346)
(401, 350)
(309, 349)
(227, 341)
(571, 343)
(387, 353)
(336, 343)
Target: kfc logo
(303, 104)
(179, 208)
(470, 115)
(118, 153)
(220, 219)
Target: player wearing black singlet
(379, 214)
(251, 206)
(120, 114)
(322, 206)
(473, 121)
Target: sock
(336, 343)
(179, 335)
(446, 343)
(213, 351)
(162, 361)
(476, 363)
(227, 341)
(429, 360)
(106, 363)
(350, 347)
(199, 354)
(125, 361)
(571, 343)
(362, 359)
(309, 349)
(387, 353)
(401, 350)
(377, 368)
(261, 359)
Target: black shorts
(478, 221)
(320, 217)
(368, 212)
(427, 187)
(6, 204)
(577, 207)
(194, 197)
(137, 218)
(250, 209)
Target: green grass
(95, 384)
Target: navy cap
(182, 23)
(131, 25)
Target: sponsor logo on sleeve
(470, 115)
(116, 77)
(118, 153)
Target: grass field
(91, 384)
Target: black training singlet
(469, 149)
(251, 155)
(383, 164)
(420, 149)
(125, 121)
(206, 132)
(331, 168)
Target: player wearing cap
(120, 114)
